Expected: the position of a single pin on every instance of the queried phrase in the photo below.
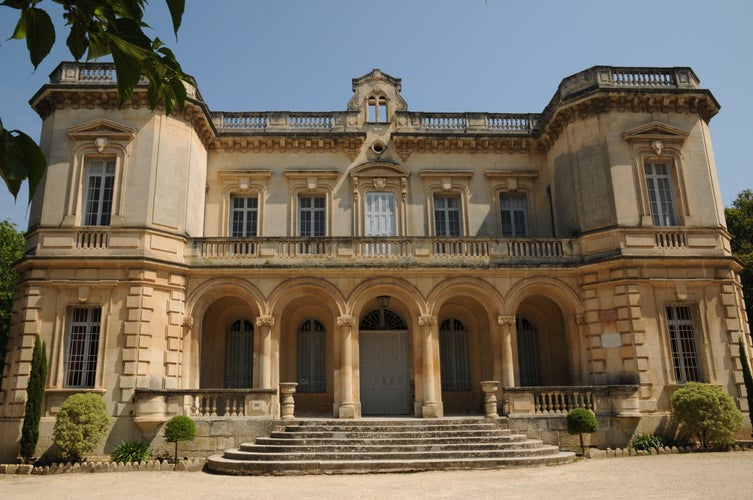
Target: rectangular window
(660, 194)
(682, 340)
(82, 346)
(244, 215)
(514, 215)
(311, 215)
(447, 215)
(98, 194)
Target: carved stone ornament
(244, 183)
(427, 320)
(346, 321)
(658, 146)
(188, 321)
(265, 320)
(100, 143)
(446, 184)
(311, 183)
(379, 183)
(504, 320)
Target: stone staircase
(321, 446)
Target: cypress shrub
(748, 379)
(34, 397)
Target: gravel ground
(697, 475)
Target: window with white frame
(98, 191)
(447, 215)
(660, 193)
(514, 214)
(244, 216)
(239, 355)
(311, 357)
(82, 346)
(682, 339)
(453, 354)
(312, 212)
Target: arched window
(377, 109)
(382, 319)
(453, 352)
(239, 355)
(528, 352)
(311, 357)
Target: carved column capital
(346, 320)
(265, 320)
(505, 320)
(427, 320)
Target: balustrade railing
(508, 123)
(310, 120)
(92, 239)
(671, 239)
(159, 404)
(240, 121)
(559, 400)
(636, 77)
(443, 121)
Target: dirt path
(707, 475)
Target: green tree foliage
(707, 412)
(80, 425)
(98, 28)
(748, 379)
(179, 428)
(131, 451)
(11, 251)
(740, 224)
(34, 397)
(581, 421)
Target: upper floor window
(244, 216)
(312, 215)
(82, 346)
(446, 215)
(377, 109)
(514, 213)
(682, 339)
(99, 191)
(660, 193)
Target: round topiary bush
(179, 428)
(80, 425)
(580, 421)
(707, 412)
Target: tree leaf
(33, 158)
(128, 72)
(40, 34)
(176, 8)
(77, 42)
(20, 32)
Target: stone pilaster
(265, 322)
(138, 335)
(348, 407)
(432, 395)
(174, 332)
(507, 369)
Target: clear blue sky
(452, 55)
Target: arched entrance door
(384, 374)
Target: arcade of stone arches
(385, 348)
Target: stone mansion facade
(387, 261)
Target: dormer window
(377, 109)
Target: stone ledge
(191, 465)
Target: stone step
(416, 439)
(387, 447)
(218, 463)
(319, 427)
(347, 454)
(389, 434)
(392, 422)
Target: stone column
(506, 324)
(432, 407)
(265, 322)
(347, 404)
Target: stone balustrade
(621, 400)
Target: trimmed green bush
(179, 428)
(581, 421)
(707, 412)
(80, 426)
(34, 397)
(644, 442)
(131, 451)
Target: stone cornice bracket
(265, 320)
(427, 320)
(346, 320)
(505, 320)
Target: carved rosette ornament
(187, 321)
(265, 320)
(346, 321)
(427, 320)
(505, 320)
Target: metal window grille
(660, 194)
(682, 339)
(244, 215)
(528, 352)
(382, 319)
(239, 355)
(311, 357)
(100, 185)
(514, 214)
(453, 353)
(82, 346)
